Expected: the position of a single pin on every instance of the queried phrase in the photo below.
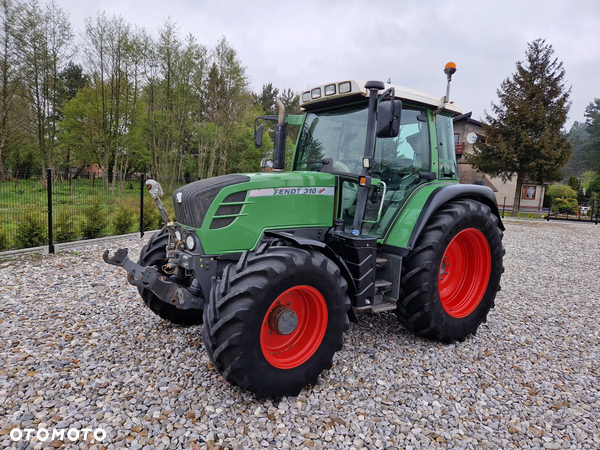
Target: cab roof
(340, 91)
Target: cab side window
(407, 153)
(446, 153)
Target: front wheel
(274, 321)
(450, 279)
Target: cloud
(301, 44)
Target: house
(467, 132)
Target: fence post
(49, 186)
(142, 186)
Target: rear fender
(443, 195)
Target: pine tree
(592, 145)
(525, 139)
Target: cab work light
(315, 93)
(330, 89)
(345, 87)
(306, 96)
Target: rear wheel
(450, 279)
(274, 320)
(154, 253)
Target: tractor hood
(230, 213)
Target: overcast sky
(304, 43)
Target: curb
(70, 245)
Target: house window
(528, 192)
(456, 138)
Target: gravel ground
(78, 350)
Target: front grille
(197, 197)
(226, 209)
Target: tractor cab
(332, 140)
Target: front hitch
(150, 278)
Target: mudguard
(444, 194)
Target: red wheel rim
(305, 305)
(464, 273)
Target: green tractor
(371, 217)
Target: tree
(594, 187)
(573, 183)
(44, 44)
(8, 73)
(580, 161)
(592, 145)
(72, 80)
(525, 139)
(266, 98)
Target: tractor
(371, 217)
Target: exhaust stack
(280, 133)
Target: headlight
(190, 242)
(178, 235)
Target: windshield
(335, 142)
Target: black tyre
(154, 253)
(450, 279)
(274, 320)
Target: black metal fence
(39, 209)
(588, 211)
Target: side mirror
(258, 136)
(388, 118)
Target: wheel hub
(444, 267)
(283, 320)
(464, 273)
(293, 327)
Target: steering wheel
(348, 165)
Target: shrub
(123, 219)
(65, 228)
(560, 191)
(565, 205)
(95, 221)
(32, 230)
(4, 242)
(152, 219)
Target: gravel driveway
(78, 350)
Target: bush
(32, 230)
(65, 228)
(123, 219)
(560, 191)
(4, 243)
(565, 205)
(152, 219)
(95, 221)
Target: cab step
(381, 263)
(382, 286)
(383, 306)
